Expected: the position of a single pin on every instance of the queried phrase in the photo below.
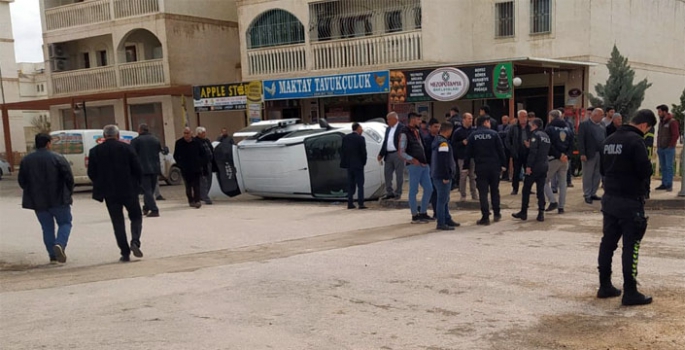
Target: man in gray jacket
(147, 148)
(591, 134)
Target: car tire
(1, 173)
(174, 177)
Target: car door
(327, 179)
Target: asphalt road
(248, 273)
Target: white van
(75, 146)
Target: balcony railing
(142, 73)
(78, 14)
(97, 11)
(280, 59)
(368, 51)
(82, 80)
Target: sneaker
(416, 219)
(135, 248)
(552, 207)
(485, 221)
(424, 216)
(445, 228)
(153, 214)
(453, 223)
(59, 253)
(125, 258)
(53, 261)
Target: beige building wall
(10, 81)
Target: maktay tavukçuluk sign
(222, 97)
(332, 85)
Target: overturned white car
(288, 159)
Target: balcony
(127, 75)
(281, 59)
(96, 11)
(368, 51)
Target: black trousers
(528, 181)
(115, 207)
(519, 162)
(622, 218)
(507, 155)
(488, 181)
(355, 181)
(192, 182)
(149, 184)
(434, 198)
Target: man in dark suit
(393, 162)
(147, 148)
(115, 171)
(190, 156)
(353, 158)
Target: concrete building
(131, 61)
(33, 86)
(9, 81)
(558, 48)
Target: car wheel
(1, 174)
(174, 177)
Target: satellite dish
(324, 124)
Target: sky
(26, 29)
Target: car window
(328, 180)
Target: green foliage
(678, 111)
(619, 91)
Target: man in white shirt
(393, 162)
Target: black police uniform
(485, 147)
(538, 162)
(625, 166)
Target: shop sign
(482, 82)
(254, 101)
(222, 97)
(332, 85)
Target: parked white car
(4, 168)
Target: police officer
(625, 166)
(560, 153)
(485, 147)
(537, 165)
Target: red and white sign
(447, 84)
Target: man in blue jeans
(443, 168)
(412, 151)
(48, 185)
(666, 140)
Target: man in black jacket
(393, 162)
(353, 158)
(443, 168)
(115, 171)
(48, 185)
(208, 168)
(147, 148)
(559, 153)
(190, 156)
(537, 166)
(517, 140)
(626, 167)
(485, 147)
(459, 142)
(484, 110)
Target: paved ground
(247, 273)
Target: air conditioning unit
(59, 64)
(56, 50)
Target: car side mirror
(165, 150)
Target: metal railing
(78, 14)
(149, 72)
(94, 79)
(368, 51)
(281, 59)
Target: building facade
(123, 47)
(558, 48)
(33, 86)
(9, 80)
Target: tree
(41, 124)
(678, 111)
(619, 91)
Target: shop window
(393, 21)
(540, 16)
(504, 23)
(275, 28)
(323, 158)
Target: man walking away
(537, 166)
(666, 140)
(591, 134)
(48, 185)
(517, 140)
(433, 131)
(459, 142)
(560, 152)
(443, 168)
(393, 162)
(411, 150)
(190, 156)
(147, 147)
(115, 171)
(485, 147)
(208, 166)
(353, 158)
(626, 167)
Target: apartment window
(274, 28)
(37, 88)
(393, 21)
(131, 53)
(102, 58)
(504, 22)
(351, 27)
(540, 16)
(86, 60)
(417, 18)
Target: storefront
(231, 106)
(339, 98)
